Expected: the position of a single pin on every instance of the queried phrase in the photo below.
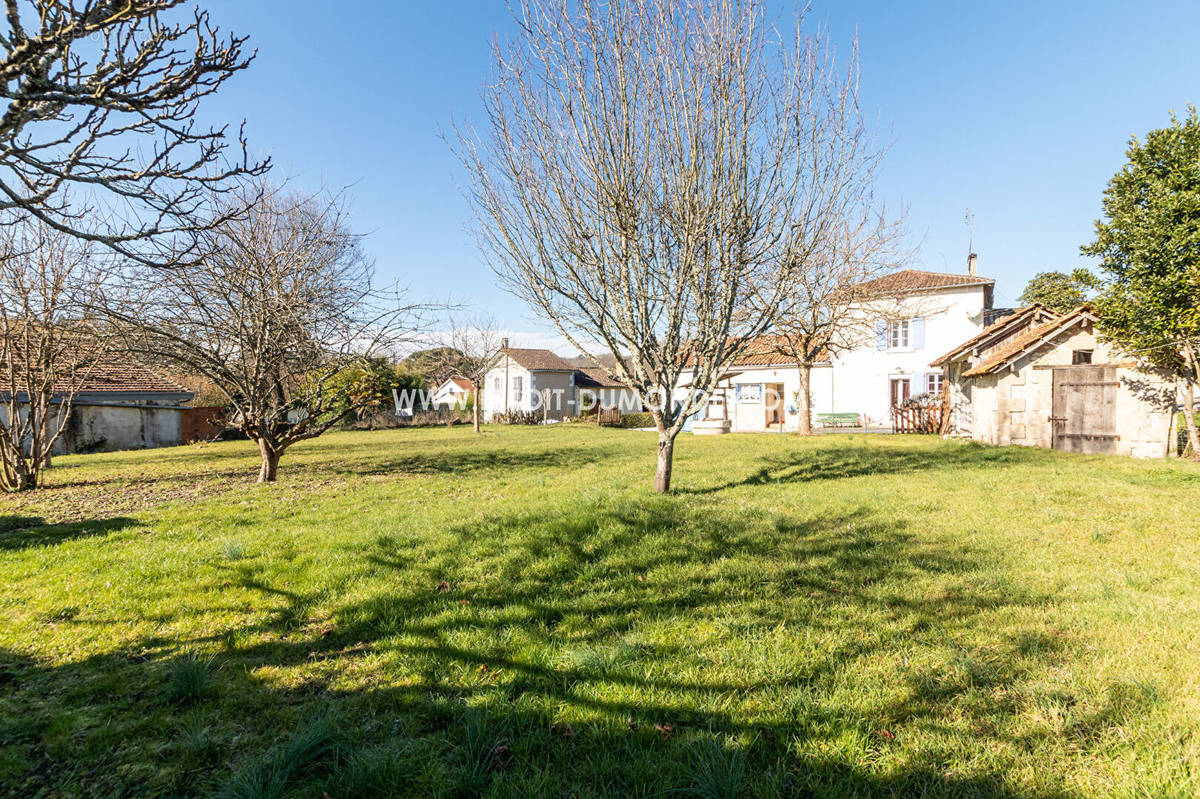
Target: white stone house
(538, 381)
(929, 312)
(1045, 379)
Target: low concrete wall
(112, 427)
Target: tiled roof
(463, 383)
(538, 359)
(1030, 314)
(594, 377)
(589, 361)
(588, 375)
(1030, 339)
(765, 351)
(916, 280)
(120, 375)
(112, 373)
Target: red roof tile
(1028, 340)
(113, 374)
(908, 280)
(764, 351)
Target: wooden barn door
(1085, 409)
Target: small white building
(454, 393)
(929, 312)
(1043, 379)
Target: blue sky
(1020, 111)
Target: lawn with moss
(431, 613)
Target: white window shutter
(918, 333)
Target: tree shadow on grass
(597, 650)
(361, 461)
(863, 461)
(29, 532)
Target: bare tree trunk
(1189, 405)
(20, 478)
(475, 413)
(666, 457)
(804, 399)
(1189, 419)
(270, 461)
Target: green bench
(839, 420)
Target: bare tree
(476, 346)
(277, 314)
(653, 172)
(49, 347)
(102, 95)
(831, 307)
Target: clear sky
(1020, 111)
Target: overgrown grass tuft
(380, 771)
(716, 773)
(189, 681)
(308, 753)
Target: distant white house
(930, 312)
(453, 393)
(537, 380)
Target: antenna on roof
(972, 258)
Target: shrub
(632, 420)
(516, 416)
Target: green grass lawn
(432, 613)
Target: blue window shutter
(918, 333)
(881, 336)
(918, 384)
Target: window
(898, 338)
(1081, 357)
(933, 383)
(749, 392)
(518, 385)
(496, 384)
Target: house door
(901, 387)
(773, 399)
(1084, 409)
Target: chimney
(973, 265)
(504, 343)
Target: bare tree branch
(102, 97)
(281, 303)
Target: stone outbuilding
(123, 405)
(1045, 379)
